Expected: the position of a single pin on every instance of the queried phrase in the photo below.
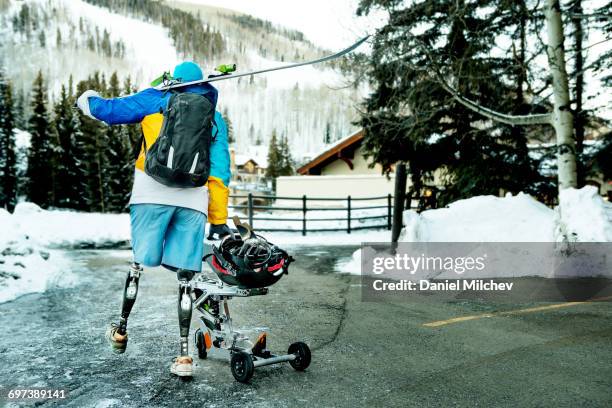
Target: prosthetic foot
(117, 333)
(117, 341)
(182, 366)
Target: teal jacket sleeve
(219, 151)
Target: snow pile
(585, 216)
(62, 228)
(28, 262)
(517, 218)
(25, 265)
(351, 265)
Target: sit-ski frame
(218, 323)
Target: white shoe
(182, 366)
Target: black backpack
(180, 157)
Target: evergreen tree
(274, 160)
(411, 117)
(21, 121)
(230, 127)
(118, 160)
(252, 134)
(93, 144)
(80, 187)
(134, 131)
(67, 176)
(328, 138)
(8, 169)
(287, 165)
(40, 165)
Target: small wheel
(302, 355)
(242, 366)
(200, 344)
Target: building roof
(259, 160)
(335, 151)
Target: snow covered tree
(274, 160)
(80, 187)
(94, 144)
(8, 170)
(117, 160)
(411, 117)
(40, 155)
(62, 179)
(71, 155)
(20, 102)
(287, 165)
(42, 39)
(443, 74)
(328, 138)
(134, 132)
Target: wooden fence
(348, 206)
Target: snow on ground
(31, 259)
(26, 265)
(62, 228)
(30, 238)
(586, 218)
(327, 238)
(307, 76)
(517, 218)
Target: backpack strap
(214, 137)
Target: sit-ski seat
(248, 260)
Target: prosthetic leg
(182, 365)
(117, 334)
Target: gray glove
(83, 102)
(218, 231)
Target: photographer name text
(446, 285)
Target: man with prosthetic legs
(180, 183)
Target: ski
(262, 71)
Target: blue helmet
(187, 71)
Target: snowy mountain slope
(297, 103)
(145, 42)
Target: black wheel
(302, 355)
(242, 366)
(200, 344)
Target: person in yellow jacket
(167, 223)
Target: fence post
(348, 219)
(389, 212)
(304, 209)
(251, 209)
(398, 205)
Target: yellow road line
(460, 319)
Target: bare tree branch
(598, 16)
(514, 120)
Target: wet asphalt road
(364, 353)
